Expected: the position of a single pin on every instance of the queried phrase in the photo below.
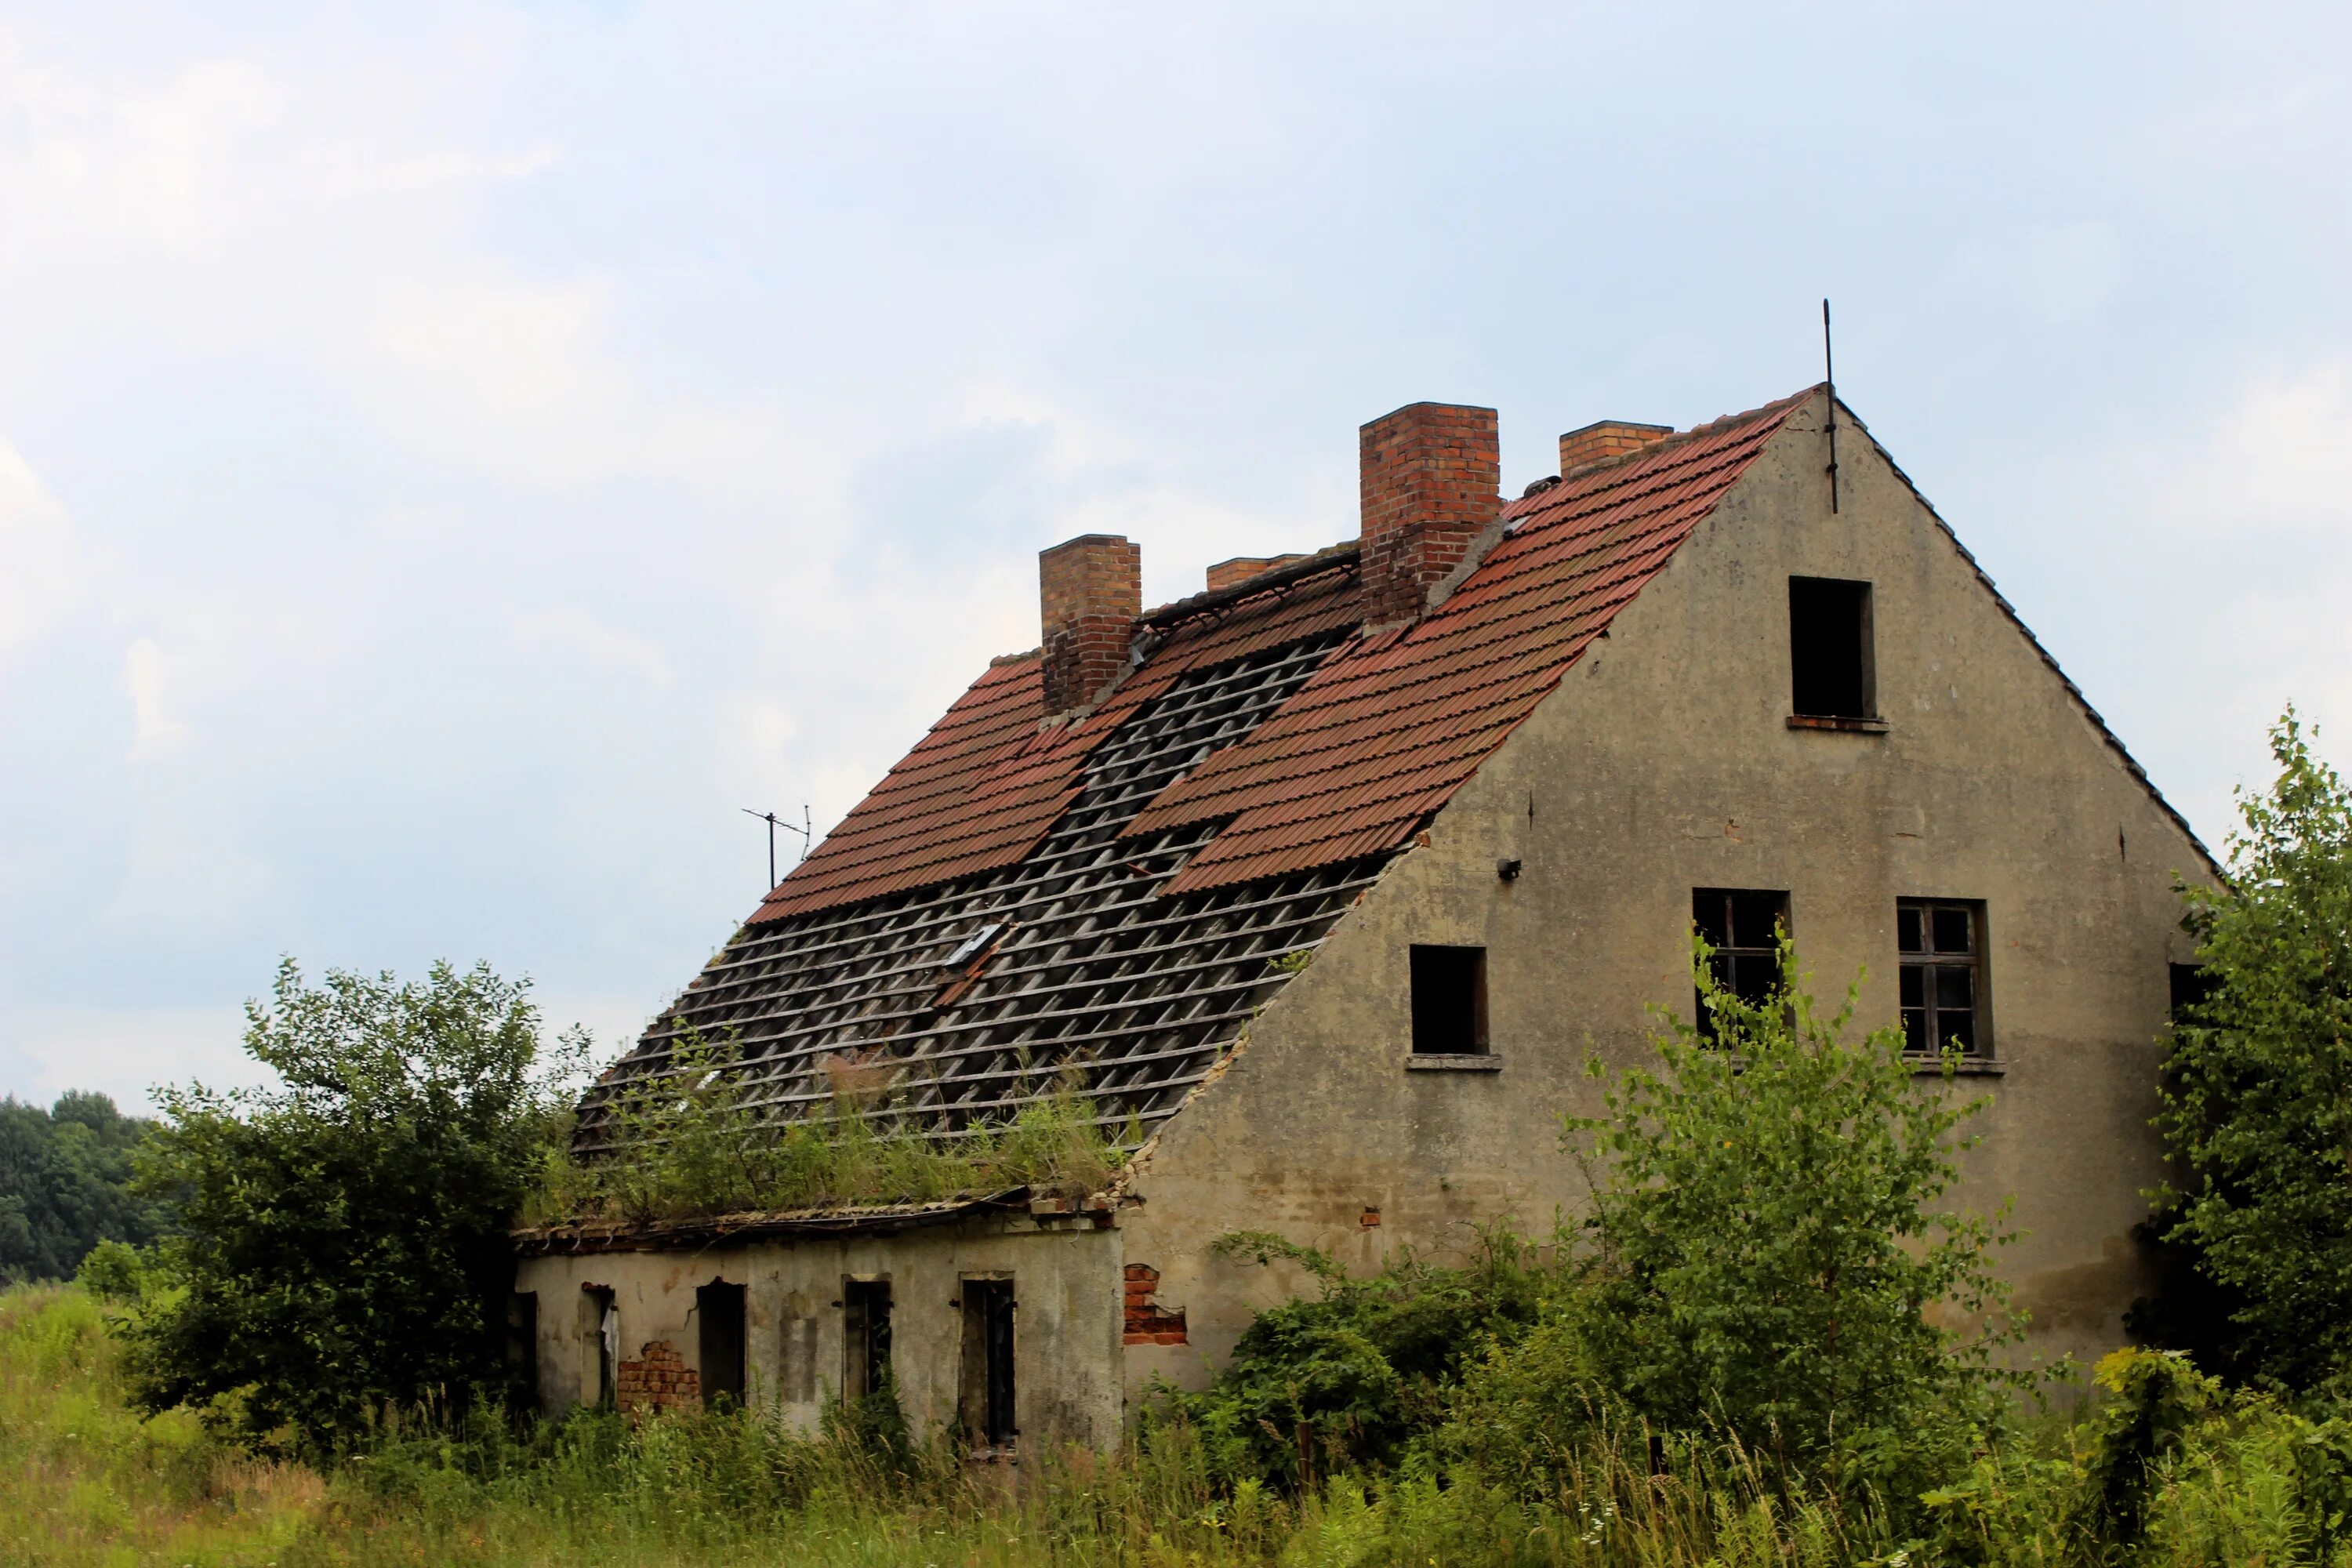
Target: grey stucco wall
(1067, 1281)
(1664, 763)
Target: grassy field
(84, 1481)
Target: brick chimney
(1607, 438)
(1429, 477)
(1242, 568)
(1090, 594)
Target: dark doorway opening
(523, 1348)
(1830, 653)
(1449, 1000)
(719, 1308)
(865, 1337)
(600, 1323)
(987, 1391)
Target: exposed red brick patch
(1146, 1322)
(658, 1379)
(1371, 1220)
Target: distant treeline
(65, 1185)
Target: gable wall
(1664, 763)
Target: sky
(454, 458)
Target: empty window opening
(600, 1323)
(865, 1336)
(1743, 926)
(1940, 951)
(522, 1347)
(1830, 656)
(718, 1309)
(986, 1397)
(2192, 986)
(1449, 1000)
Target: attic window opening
(1832, 671)
(1449, 1000)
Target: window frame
(866, 1352)
(1730, 952)
(1931, 959)
(988, 1386)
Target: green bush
(1349, 1377)
(1769, 1252)
(2257, 1110)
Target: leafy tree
(65, 1185)
(1773, 1253)
(344, 1230)
(2257, 1109)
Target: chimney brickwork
(1430, 476)
(1090, 594)
(1242, 568)
(1606, 438)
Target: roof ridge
(1714, 426)
(1329, 558)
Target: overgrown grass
(695, 1148)
(84, 1483)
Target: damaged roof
(1104, 903)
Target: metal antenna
(774, 822)
(1829, 379)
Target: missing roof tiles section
(1085, 974)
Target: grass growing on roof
(686, 1145)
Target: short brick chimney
(1429, 476)
(1242, 568)
(1089, 596)
(1607, 438)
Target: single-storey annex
(1323, 882)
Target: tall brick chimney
(1607, 438)
(1430, 473)
(1089, 596)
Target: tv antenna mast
(1829, 379)
(774, 822)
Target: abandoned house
(1324, 881)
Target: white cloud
(154, 729)
(46, 568)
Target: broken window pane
(1743, 926)
(1940, 969)
(986, 1396)
(865, 1337)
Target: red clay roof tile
(1388, 727)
